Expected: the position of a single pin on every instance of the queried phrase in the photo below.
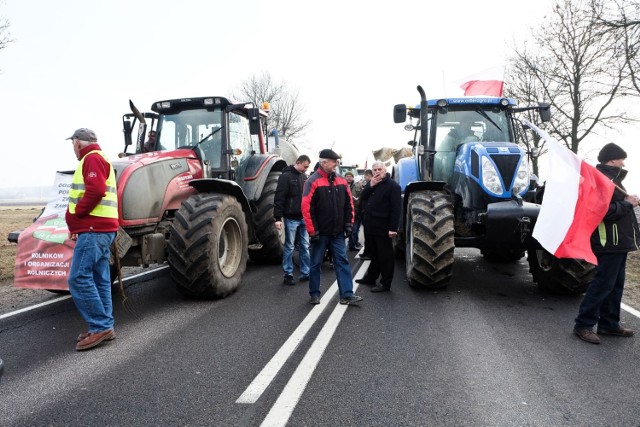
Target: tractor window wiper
(486, 116)
(213, 132)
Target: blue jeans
(340, 264)
(90, 280)
(601, 303)
(295, 232)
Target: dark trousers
(601, 303)
(380, 248)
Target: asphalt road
(490, 349)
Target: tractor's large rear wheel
(271, 239)
(562, 276)
(208, 246)
(429, 237)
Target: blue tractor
(468, 184)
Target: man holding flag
(615, 236)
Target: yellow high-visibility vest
(108, 206)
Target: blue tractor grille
(506, 164)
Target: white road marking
(260, 383)
(42, 304)
(630, 310)
(285, 404)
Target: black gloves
(315, 238)
(348, 229)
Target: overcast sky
(76, 63)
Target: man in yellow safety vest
(92, 218)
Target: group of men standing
(324, 211)
(318, 213)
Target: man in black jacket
(617, 234)
(287, 206)
(382, 200)
(327, 209)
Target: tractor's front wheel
(208, 246)
(563, 276)
(429, 239)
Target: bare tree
(523, 86)
(287, 110)
(5, 36)
(622, 17)
(579, 68)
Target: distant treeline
(21, 193)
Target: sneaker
(353, 299)
(304, 278)
(620, 332)
(380, 288)
(93, 340)
(314, 300)
(587, 335)
(288, 280)
(358, 246)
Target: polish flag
(489, 82)
(576, 199)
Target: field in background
(13, 218)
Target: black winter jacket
(327, 205)
(383, 204)
(288, 198)
(618, 231)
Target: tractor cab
(222, 134)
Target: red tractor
(198, 193)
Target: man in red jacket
(92, 218)
(327, 209)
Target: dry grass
(11, 219)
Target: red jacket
(95, 171)
(327, 206)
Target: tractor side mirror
(254, 120)
(545, 111)
(127, 129)
(399, 113)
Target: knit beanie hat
(611, 151)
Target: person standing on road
(368, 174)
(354, 244)
(381, 218)
(617, 234)
(92, 218)
(287, 211)
(327, 209)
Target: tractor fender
(225, 186)
(406, 171)
(255, 173)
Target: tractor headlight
(521, 182)
(490, 177)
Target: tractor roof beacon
(198, 193)
(468, 184)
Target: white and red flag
(489, 82)
(576, 199)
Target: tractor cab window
(239, 137)
(456, 127)
(197, 129)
